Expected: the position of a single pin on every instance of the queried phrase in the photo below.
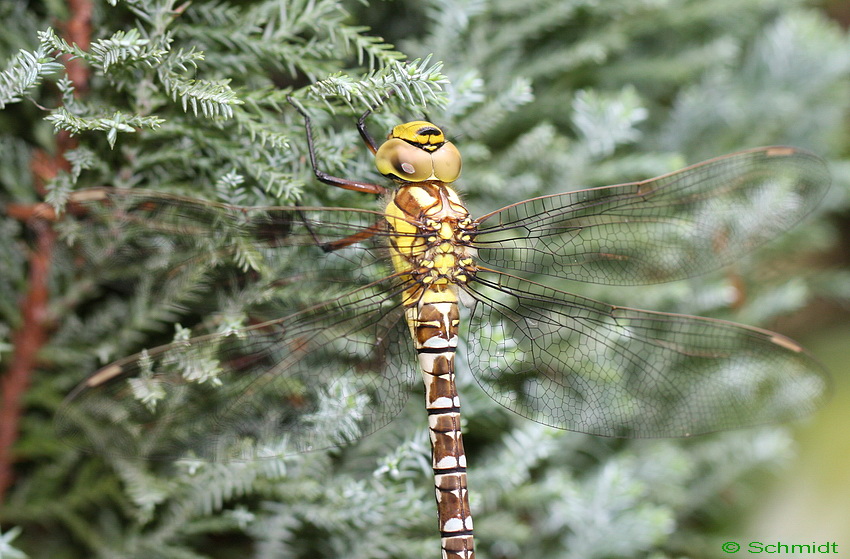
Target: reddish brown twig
(27, 340)
(78, 31)
(33, 330)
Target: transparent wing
(667, 228)
(578, 364)
(141, 232)
(316, 379)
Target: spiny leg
(326, 178)
(347, 184)
(361, 125)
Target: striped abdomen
(432, 249)
(434, 323)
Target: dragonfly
(384, 298)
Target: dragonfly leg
(331, 246)
(361, 126)
(367, 138)
(355, 238)
(326, 178)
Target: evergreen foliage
(191, 99)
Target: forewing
(578, 364)
(671, 227)
(313, 380)
(127, 232)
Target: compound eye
(397, 158)
(446, 162)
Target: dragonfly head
(418, 151)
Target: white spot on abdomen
(447, 462)
(437, 341)
(453, 525)
(442, 402)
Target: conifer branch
(24, 73)
(416, 82)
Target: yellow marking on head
(418, 151)
(418, 132)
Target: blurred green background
(807, 499)
(541, 97)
